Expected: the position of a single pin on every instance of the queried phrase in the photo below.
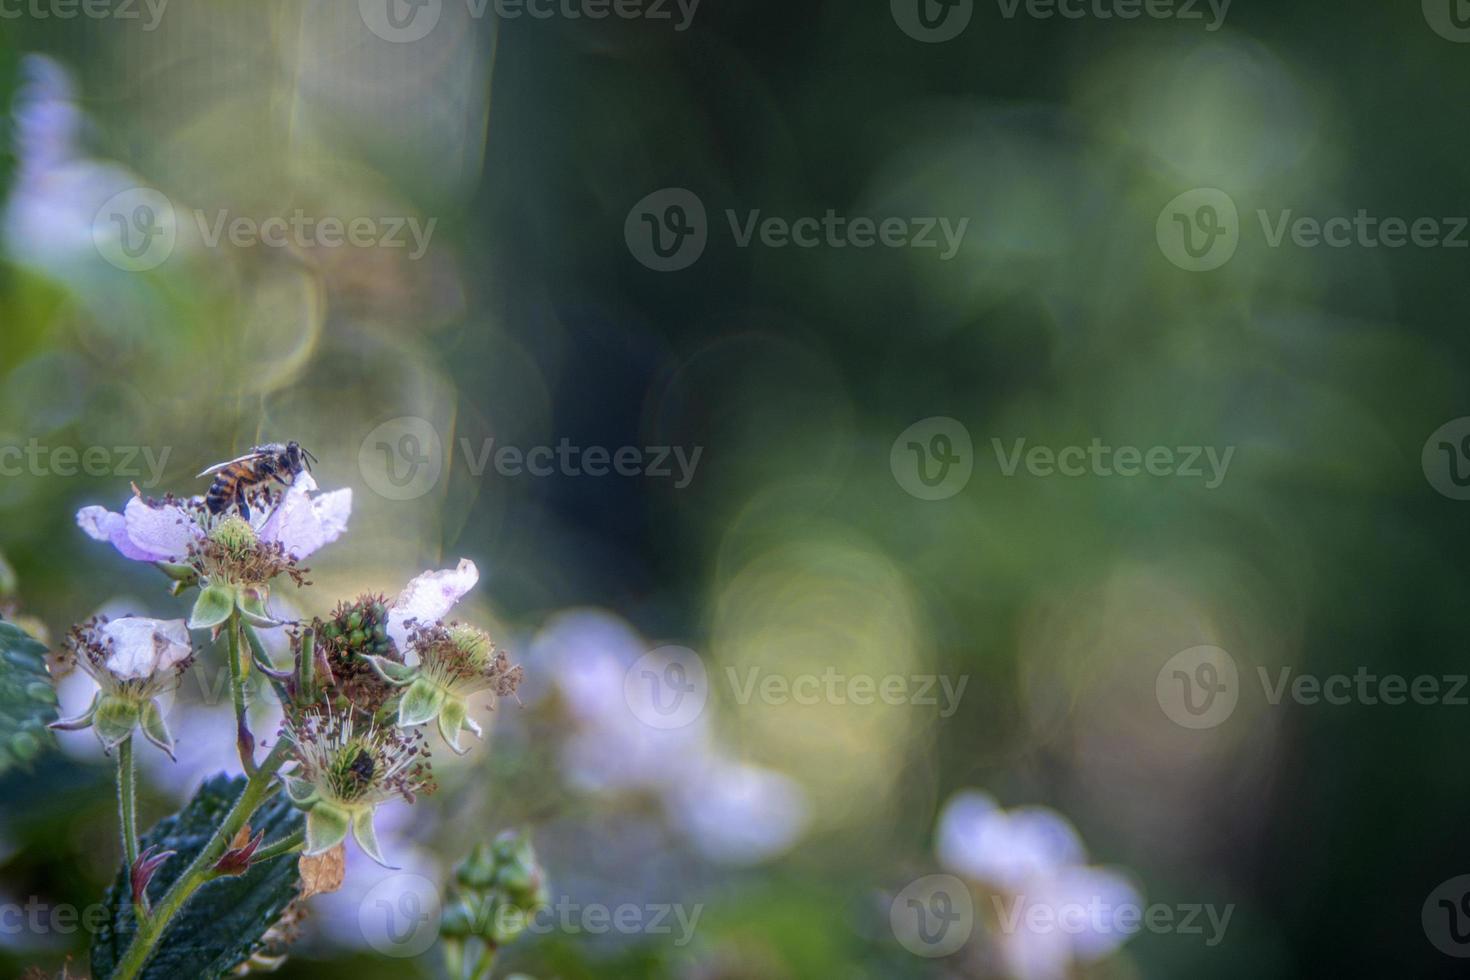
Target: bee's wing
(230, 462)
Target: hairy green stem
(286, 845)
(126, 806)
(127, 812)
(257, 790)
(244, 740)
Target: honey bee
(272, 461)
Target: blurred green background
(794, 548)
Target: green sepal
(154, 728)
(421, 702)
(251, 601)
(392, 671)
(301, 791)
(326, 827)
(454, 718)
(184, 575)
(367, 837)
(213, 607)
(114, 719)
(83, 720)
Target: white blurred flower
(738, 813)
(1052, 909)
(732, 812)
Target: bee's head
(297, 458)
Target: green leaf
(27, 699)
(223, 923)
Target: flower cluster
(379, 670)
(366, 679)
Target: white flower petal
(163, 533)
(301, 523)
(143, 647)
(429, 597)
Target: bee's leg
(240, 501)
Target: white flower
(1033, 860)
(171, 530)
(428, 599)
(142, 648)
(133, 660)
